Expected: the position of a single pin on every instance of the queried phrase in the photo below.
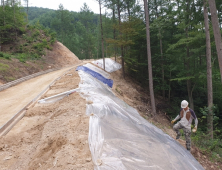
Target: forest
(183, 46)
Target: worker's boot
(178, 136)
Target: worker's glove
(172, 122)
(194, 129)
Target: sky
(71, 5)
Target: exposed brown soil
(60, 56)
(50, 136)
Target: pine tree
(149, 59)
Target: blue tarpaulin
(109, 82)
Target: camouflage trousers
(186, 131)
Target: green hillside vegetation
(19, 40)
(35, 12)
(22, 42)
(30, 45)
(78, 31)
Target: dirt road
(15, 98)
(50, 136)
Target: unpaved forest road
(15, 98)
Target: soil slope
(60, 56)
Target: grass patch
(9, 78)
(23, 57)
(3, 67)
(27, 65)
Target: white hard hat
(184, 104)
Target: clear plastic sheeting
(98, 70)
(110, 65)
(55, 98)
(119, 138)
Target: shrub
(44, 43)
(22, 30)
(20, 49)
(35, 34)
(46, 31)
(49, 47)
(208, 145)
(53, 34)
(5, 55)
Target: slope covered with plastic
(109, 82)
(110, 65)
(119, 138)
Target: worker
(186, 115)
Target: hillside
(36, 12)
(33, 51)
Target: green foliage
(40, 46)
(35, 34)
(182, 78)
(5, 55)
(23, 57)
(212, 147)
(77, 31)
(11, 22)
(205, 112)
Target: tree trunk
(162, 67)
(27, 19)
(128, 9)
(189, 82)
(14, 20)
(114, 31)
(149, 59)
(161, 52)
(101, 25)
(190, 92)
(4, 11)
(123, 70)
(209, 73)
(169, 87)
(217, 35)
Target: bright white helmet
(184, 104)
